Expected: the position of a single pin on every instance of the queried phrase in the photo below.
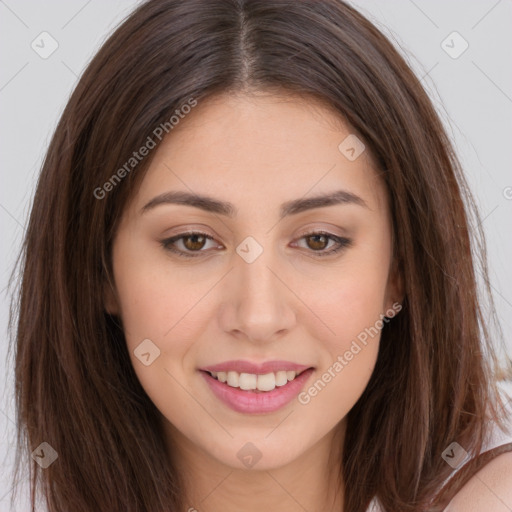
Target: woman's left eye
(194, 242)
(319, 240)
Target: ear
(110, 301)
(395, 286)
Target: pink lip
(241, 366)
(257, 402)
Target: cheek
(146, 311)
(354, 298)
(352, 306)
(155, 305)
(166, 306)
(348, 356)
(154, 297)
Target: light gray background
(472, 92)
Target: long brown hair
(75, 387)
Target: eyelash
(342, 242)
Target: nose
(259, 302)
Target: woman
(248, 279)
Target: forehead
(257, 145)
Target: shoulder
(489, 489)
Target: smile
(256, 388)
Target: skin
(256, 151)
(489, 489)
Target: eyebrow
(210, 204)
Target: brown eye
(187, 244)
(319, 243)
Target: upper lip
(241, 366)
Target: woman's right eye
(192, 242)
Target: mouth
(249, 388)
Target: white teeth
(251, 381)
(267, 382)
(232, 379)
(281, 378)
(247, 381)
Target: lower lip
(253, 402)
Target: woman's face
(276, 281)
